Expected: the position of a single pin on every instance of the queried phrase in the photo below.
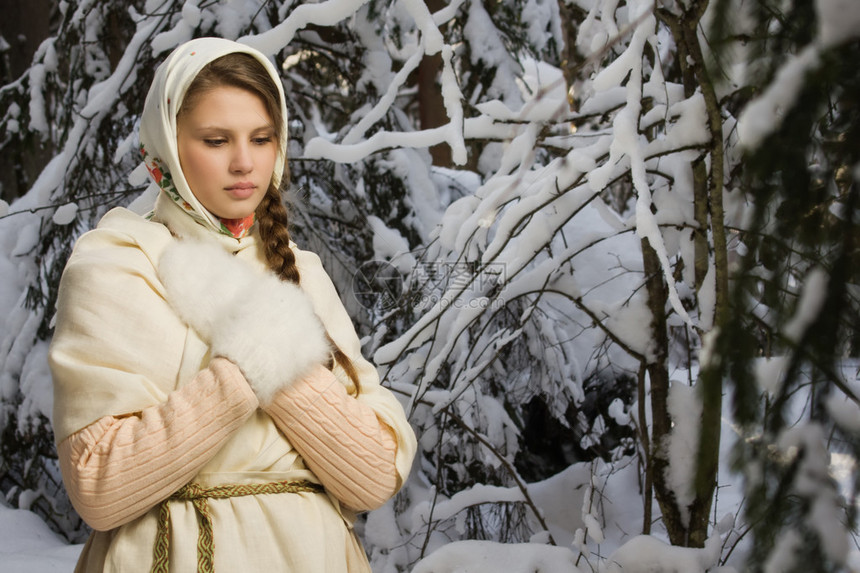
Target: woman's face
(227, 150)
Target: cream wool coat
(120, 347)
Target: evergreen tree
(790, 346)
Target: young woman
(212, 407)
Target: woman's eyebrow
(222, 129)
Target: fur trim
(266, 326)
(201, 280)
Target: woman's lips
(241, 190)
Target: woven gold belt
(199, 496)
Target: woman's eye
(262, 140)
(214, 142)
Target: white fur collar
(268, 327)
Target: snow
(769, 372)
(357, 132)
(38, 120)
(452, 98)
(646, 554)
(448, 12)
(102, 95)
(489, 557)
(627, 319)
(685, 409)
(535, 14)
(319, 148)
(784, 556)
(845, 412)
(191, 13)
(168, 40)
(28, 546)
(431, 36)
(764, 115)
(838, 21)
(65, 214)
(809, 308)
(388, 243)
(322, 14)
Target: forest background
(605, 251)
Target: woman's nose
(241, 161)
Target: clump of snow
(544, 92)
(28, 238)
(38, 117)
(389, 244)
(810, 304)
(50, 55)
(630, 321)
(358, 131)
(685, 409)
(145, 202)
(763, 116)
(127, 145)
(617, 412)
(65, 214)
(536, 14)
(452, 98)
(646, 554)
(325, 13)
(489, 557)
(845, 412)
(191, 13)
(138, 176)
(769, 373)
(838, 21)
(182, 32)
(36, 385)
(169, 39)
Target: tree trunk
(431, 107)
(658, 374)
(708, 193)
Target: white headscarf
(158, 122)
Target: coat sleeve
(117, 468)
(341, 439)
(117, 346)
(371, 394)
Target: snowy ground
(27, 545)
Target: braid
(273, 220)
(275, 235)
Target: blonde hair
(244, 71)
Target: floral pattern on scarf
(236, 228)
